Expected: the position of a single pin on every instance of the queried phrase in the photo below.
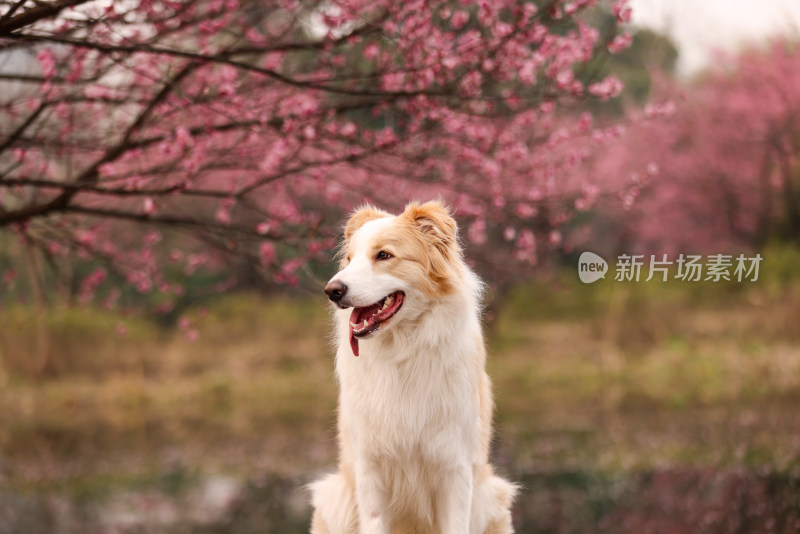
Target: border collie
(415, 402)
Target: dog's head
(394, 266)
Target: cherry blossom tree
(142, 141)
(719, 167)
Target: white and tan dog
(415, 403)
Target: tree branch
(13, 9)
(91, 173)
(22, 127)
(223, 58)
(42, 11)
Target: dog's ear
(433, 219)
(439, 230)
(359, 217)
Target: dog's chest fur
(412, 404)
(408, 388)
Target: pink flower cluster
(153, 115)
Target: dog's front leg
(455, 500)
(371, 500)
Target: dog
(415, 402)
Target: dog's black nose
(336, 290)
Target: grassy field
(604, 379)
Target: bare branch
(13, 9)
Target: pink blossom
(459, 19)
(87, 236)
(97, 91)
(527, 74)
(194, 261)
(530, 10)
(292, 265)
(349, 129)
(152, 237)
(107, 169)
(385, 137)
(622, 11)
(610, 87)
(90, 284)
(184, 322)
(471, 84)
(657, 110)
(56, 249)
(183, 137)
(526, 246)
(620, 43)
(371, 51)
(525, 211)
(274, 156)
(267, 253)
(274, 60)
(392, 81)
(501, 29)
(223, 215)
(47, 62)
(477, 232)
(585, 122)
(314, 247)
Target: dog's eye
(383, 255)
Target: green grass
(620, 376)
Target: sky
(702, 27)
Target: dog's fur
(415, 406)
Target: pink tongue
(353, 340)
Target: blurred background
(199, 397)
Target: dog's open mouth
(366, 320)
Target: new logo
(591, 267)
